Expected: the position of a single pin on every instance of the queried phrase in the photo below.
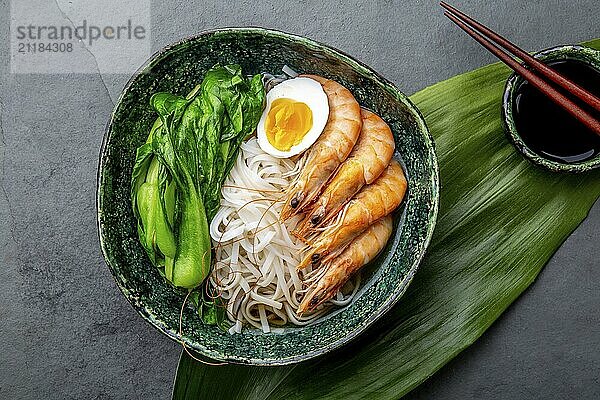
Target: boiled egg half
(295, 115)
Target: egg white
(304, 90)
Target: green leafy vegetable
(211, 310)
(500, 220)
(178, 173)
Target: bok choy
(179, 171)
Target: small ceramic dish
(178, 68)
(559, 53)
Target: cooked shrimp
(328, 152)
(369, 157)
(358, 253)
(374, 201)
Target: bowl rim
(561, 52)
(365, 70)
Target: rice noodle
(255, 272)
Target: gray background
(67, 332)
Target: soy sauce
(549, 130)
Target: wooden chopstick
(542, 68)
(577, 112)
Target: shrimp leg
(358, 253)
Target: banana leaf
(501, 219)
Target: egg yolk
(287, 123)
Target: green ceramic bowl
(178, 68)
(568, 52)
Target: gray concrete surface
(67, 333)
